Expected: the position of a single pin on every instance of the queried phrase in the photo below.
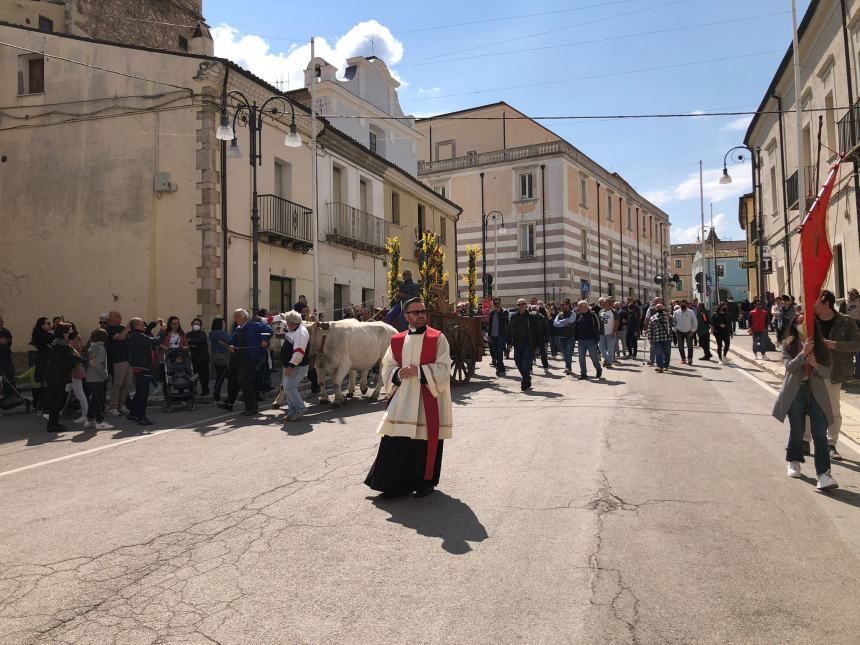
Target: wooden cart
(466, 340)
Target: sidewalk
(850, 400)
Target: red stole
(429, 347)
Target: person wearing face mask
(721, 326)
(685, 329)
(42, 338)
(199, 347)
(803, 397)
(62, 362)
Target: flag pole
(798, 108)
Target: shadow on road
(436, 516)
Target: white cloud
(433, 91)
(713, 189)
(693, 233)
(287, 69)
(738, 125)
(698, 114)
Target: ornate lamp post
(248, 114)
(741, 154)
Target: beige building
(681, 262)
(828, 82)
(115, 193)
(571, 228)
(746, 220)
(726, 278)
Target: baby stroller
(180, 382)
(10, 397)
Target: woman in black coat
(199, 347)
(58, 374)
(42, 338)
(721, 325)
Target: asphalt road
(646, 508)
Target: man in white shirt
(608, 324)
(685, 329)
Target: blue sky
(580, 57)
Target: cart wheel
(462, 356)
(166, 405)
(192, 403)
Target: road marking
(842, 437)
(116, 444)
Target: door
(341, 299)
(337, 185)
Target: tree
(473, 252)
(432, 265)
(392, 248)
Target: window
(583, 192)
(363, 196)
(443, 230)
(629, 218)
(527, 240)
(721, 270)
(773, 203)
(337, 185)
(372, 141)
(395, 208)
(442, 190)
(46, 24)
(368, 298)
(838, 271)
(609, 251)
(527, 186)
(678, 264)
(629, 262)
(422, 224)
(644, 228)
(183, 44)
(680, 285)
(830, 123)
(609, 207)
(611, 290)
(280, 293)
(584, 245)
(31, 74)
(283, 179)
(341, 300)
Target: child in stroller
(180, 382)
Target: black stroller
(11, 398)
(180, 382)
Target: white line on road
(116, 444)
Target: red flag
(815, 252)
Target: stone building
(571, 228)
(116, 193)
(829, 42)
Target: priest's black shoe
(424, 491)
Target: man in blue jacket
(248, 345)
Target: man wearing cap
(416, 371)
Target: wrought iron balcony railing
(791, 194)
(285, 222)
(353, 227)
(849, 132)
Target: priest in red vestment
(416, 371)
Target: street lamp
(743, 153)
(484, 219)
(248, 114)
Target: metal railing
(354, 227)
(496, 156)
(849, 131)
(791, 194)
(285, 219)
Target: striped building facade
(558, 224)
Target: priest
(416, 371)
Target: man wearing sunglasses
(416, 371)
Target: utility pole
(315, 186)
(705, 293)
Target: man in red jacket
(758, 328)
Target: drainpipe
(599, 244)
(224, 208)
(543, 225)
(430, 157)
(638, 259)
(504, 132)
(851, 115)
(786, 242)
(486, 289)
(621, 245)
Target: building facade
(728, 278)
(829, 79)
(558, 224)
(125, 199)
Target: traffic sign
(767, 265)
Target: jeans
(705, 344)
(291, 389)
(723, 343)
(566, 350)
(606, 345)
(662, 349)
(97, 401)
(589, 347)
(685, 339)
(632, 343)
(805, 405)
(544, 361)
(554, 345)
(524, 356)
(248, 373)
(141, 395)
(497, 352)
(220, 375)
(758, 342)
(76, 387)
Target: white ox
(339, 348)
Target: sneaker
(46, 416)
(112, 413)
(834, 454)
(826, 482)
(659, 369)
(650, 364)
(80, 420)
(755, 355)
(764, 357)
(89, 424)
(567, 371)
(794, 469)
(226, 406)
(583, 377)
(296, 415)
(104, 425)
(123, 410)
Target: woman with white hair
(295, 361)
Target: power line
(595, 76)
(98, 117)
(596, 40)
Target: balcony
(353, 227)
(791, 194)
(496, 156)
(285, 223)
(849, 132)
